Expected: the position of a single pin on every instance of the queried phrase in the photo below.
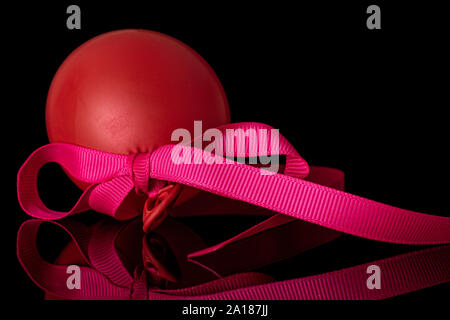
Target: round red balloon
(126, 91)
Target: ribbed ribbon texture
(114, 177)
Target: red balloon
(126, 91)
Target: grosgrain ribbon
(114, 176)
(107, 278)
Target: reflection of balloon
(126, 91)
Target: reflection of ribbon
(114, 176)
(107, 277)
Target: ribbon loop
(52, 278)
(111, 178)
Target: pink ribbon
(106, 276)
(114, 178)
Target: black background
(369, 102)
